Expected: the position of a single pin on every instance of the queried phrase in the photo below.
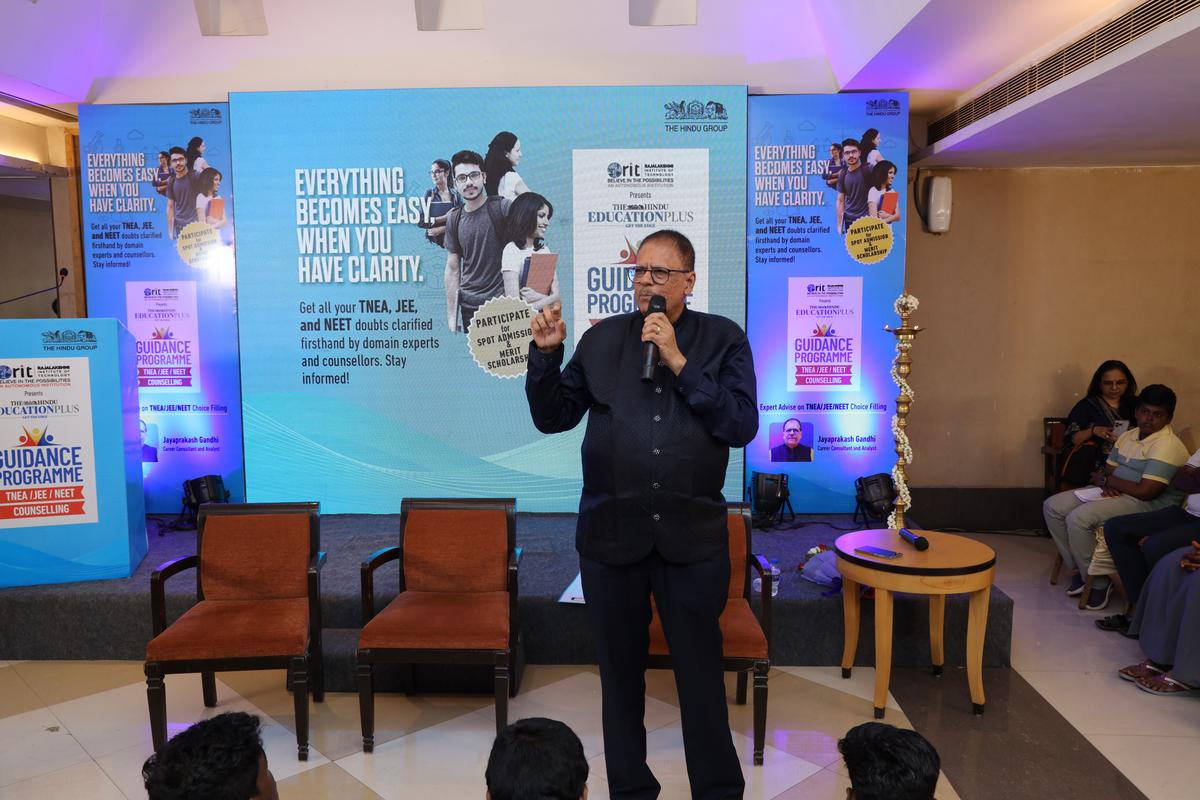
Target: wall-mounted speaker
(938, 199)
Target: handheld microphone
(658, 304)
(919, 542)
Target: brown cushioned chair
(746, 638)
(258, 606)
(457, 601)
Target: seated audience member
(1167, 625)
(1135, 479)
(216, 759)
(537, 759)
(1090, 434)
(1138, 541)
(889, 763)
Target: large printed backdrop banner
(360, 385)
(825, 264)
(158, 240)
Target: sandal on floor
(1135, 672)
(1164, 684)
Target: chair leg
(501, 672)
(1058, 563)
(514, 672)
(1119, 586)
(208, 686)
(366, 704)
(316, 660)
(743, 678)
(156, 698)
(299, 673)
(761, 669)
(1087, 590)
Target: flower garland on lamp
(905, 305)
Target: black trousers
(1168, 528)
(690, 599)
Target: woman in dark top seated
(1111, 398)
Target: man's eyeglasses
(468, 176)
(792, 430)
(659, 275)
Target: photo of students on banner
(825, 262)
(159, 239)
(515, 200)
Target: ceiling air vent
(1097, 44)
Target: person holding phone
(1094, 422)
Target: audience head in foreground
(889, 763)
(537, 759)
(216, 759)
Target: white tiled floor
(1073, 664)
(93, 745)
(79, 729)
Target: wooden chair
(258, 606)
(457, 601)
(746, 638)
(1054, 440)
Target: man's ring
(657, 329)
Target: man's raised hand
(549, 330)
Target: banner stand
(71, 498)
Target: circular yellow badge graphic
(499, 336)
(197, 243)
(869, 240)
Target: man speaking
(652, 519)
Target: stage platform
(111, 619)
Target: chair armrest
(514, 625)
(314, 593)
(374, 561)
(514, 566)
(763, 568)
(158, 579)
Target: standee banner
(158, 239)
(384, 332)
(71, 501)
(826, 187)
(47, 454)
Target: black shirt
(655, 452)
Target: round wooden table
(951, 565)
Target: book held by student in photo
(539, 272)
(438, 208)
(890, 202)
(216, 208)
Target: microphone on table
(658, 304)
(919, 542)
